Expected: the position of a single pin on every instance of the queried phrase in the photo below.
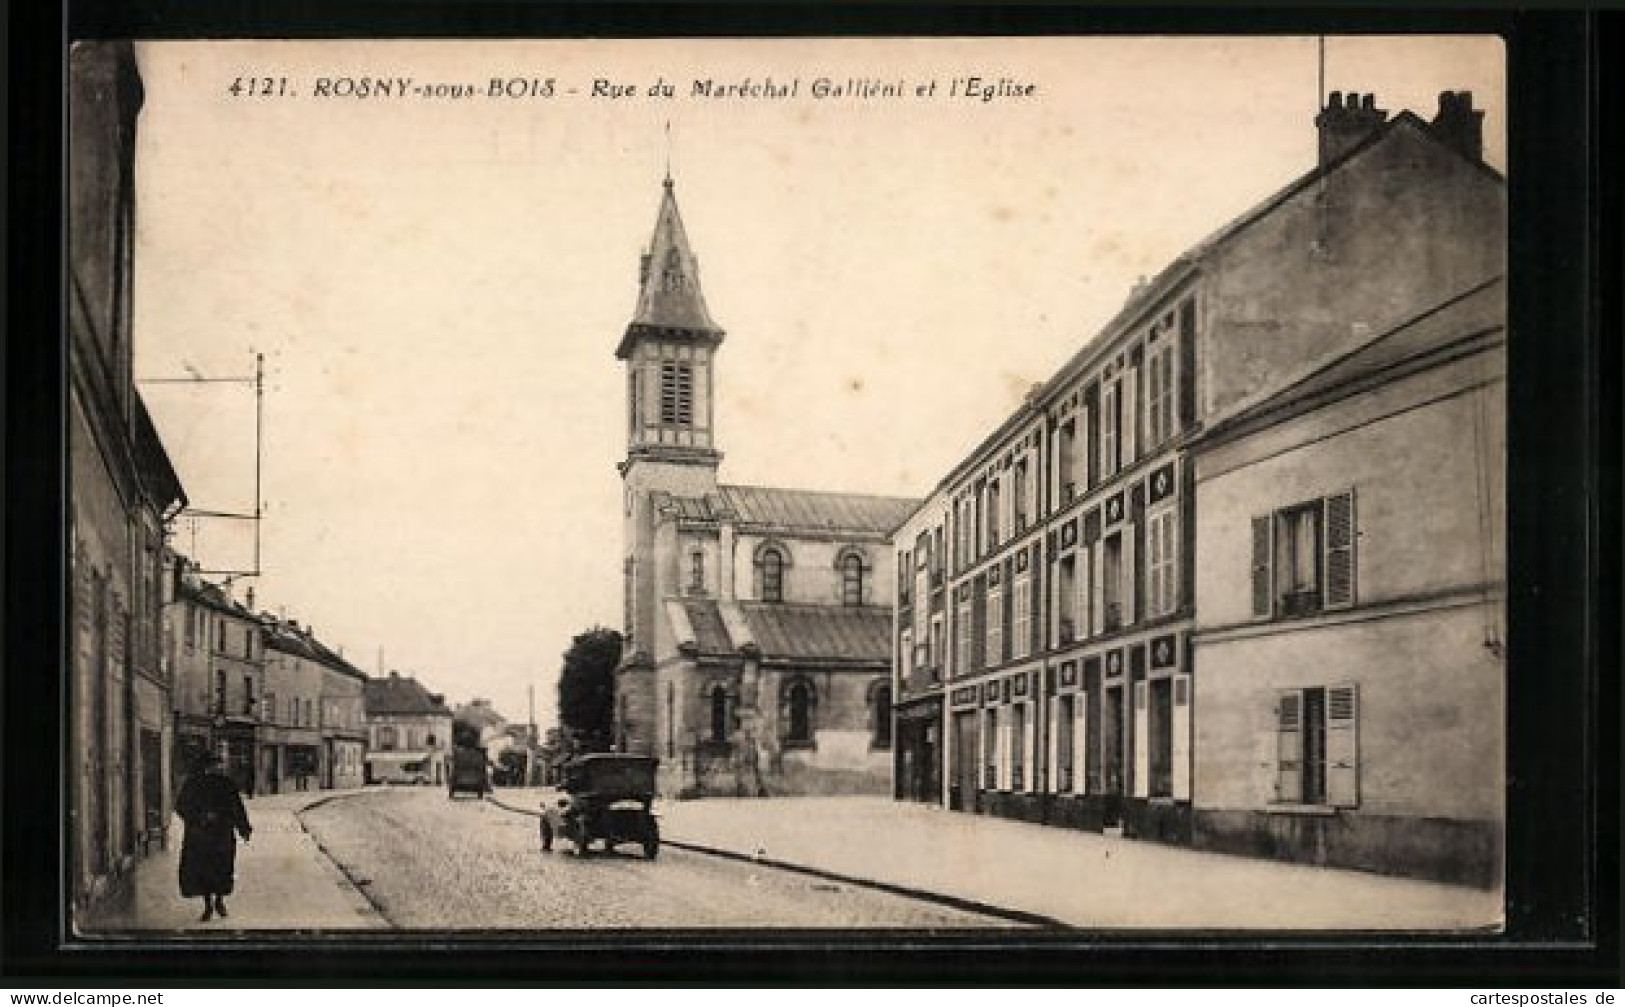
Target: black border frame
(1564, 421)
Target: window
(386, 738)
(1111, 582)
(880, 715)
(219, 691)
(1317, 746)
(994, 513)
(248, 643)
(676, 394)
(962, 644)
(1160, 392)
(1066, 601)
(248, 695)
(1162, 538)
(1161, 724)
(310, 720)
(1020, 493)
(1108, 430)
(852, 579)
(799, 703)
(190, 621)
(770, 569)
(905, 577)
(271, 711)
(1303, 558)
(995, 627)
(696, 566)
(933, 645)
(1021, 617)
(905, 653)
(1065, 477)
(1063, 743)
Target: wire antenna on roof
(1320, 85)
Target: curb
(891, 888)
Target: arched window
(800, 706)
(852, 579)
(719, 712)
(880, 714)
(770, 561)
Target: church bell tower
(668, 350)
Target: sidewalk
(284, 882)
(1080, 879)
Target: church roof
(785, 633)
(815, 510)
(670, 302)
(820, 633)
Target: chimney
(249, 604)
(1459, 125)
(1344, 122)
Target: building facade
(1350, 598)
(757, 621)
(123, 492)
(314, 730)
(1074, 687)
(408, 730)
(920, 642)
(220, 683)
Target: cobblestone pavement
(1079, 878)
(430, 862)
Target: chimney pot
(1369, 101)
(1334, 100)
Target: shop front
(919, 751)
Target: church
(757, 620)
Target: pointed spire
(669, 298)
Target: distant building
(314, 734)
(123, 494)
(220, 691)
(1222, 578)
(409, 731)
(757, 620)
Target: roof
(212, 595)
(291, 638)
(1176, 272)
(1460, 325)
(785, 632)
(816, 511)
(670, 301)
(157, 472)
(401, 694)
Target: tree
(587, 688)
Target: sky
(438, 283)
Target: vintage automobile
(607, 797)
(470, 772)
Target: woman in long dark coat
(213, 812)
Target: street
(429, 862)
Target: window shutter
(1080, 742)
(1154, 432)
(1263, 575)
(1142, 750)
(1289, 747)
(1340, 531)
(1131, 416)
(1182, 738)
(1343, 746)
(1128, 569)
(1097, 590)
(1029, 745)
(1052, 761)
(1108, 432)
(982, 741)
(1004, 750)
(1080, 453)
